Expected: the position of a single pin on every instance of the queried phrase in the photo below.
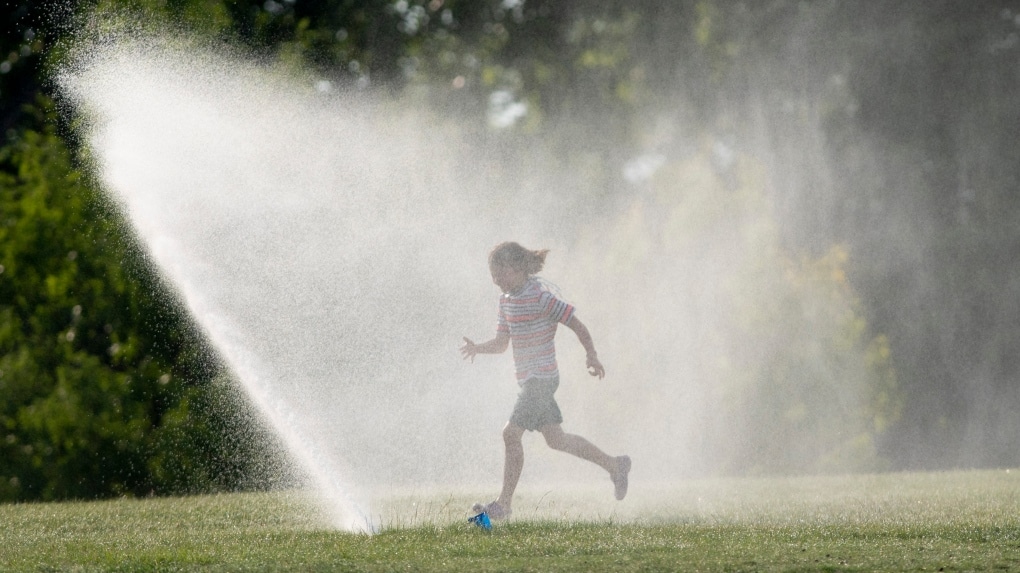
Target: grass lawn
(957, 521)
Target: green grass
(959, 521)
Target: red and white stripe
(530, 318)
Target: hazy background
(790, 227)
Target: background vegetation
(879, 138)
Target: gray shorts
(535, 405)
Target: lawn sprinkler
(481, 520)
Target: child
(528, 316)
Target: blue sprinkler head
(481, 520)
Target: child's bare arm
(592, 363)
(495, 346)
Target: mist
(332, 246)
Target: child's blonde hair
(513, 255)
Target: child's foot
(493, 509)
(620, 476)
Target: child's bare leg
(618, 467)
(513, 464)
(578, 446)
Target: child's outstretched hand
(469, 349)
(594, 366)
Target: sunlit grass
(955, 521)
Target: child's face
(507, 278)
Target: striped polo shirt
(530, 318)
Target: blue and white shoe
(493, 509)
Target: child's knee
(556, 441)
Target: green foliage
(67, 412)
(214, 440)
(799, 383)
(886, 237)
(822, 389)
(22, 43)
(92, 356)
(210, 17)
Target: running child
(528, 317)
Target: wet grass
(959, 521)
